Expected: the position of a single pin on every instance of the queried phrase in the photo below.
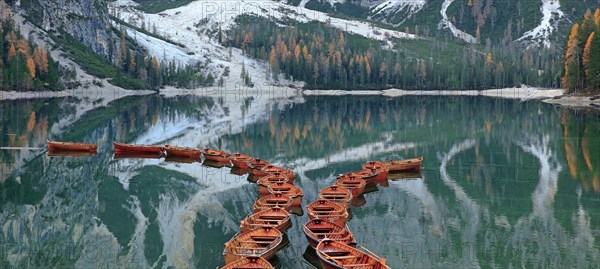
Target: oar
(19, 148)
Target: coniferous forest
(582, 55)
(325, 57)
(24, 65)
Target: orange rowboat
(216, 155)
(71, 146)
(337, 255)
(318, 229)
(70, 153)
(264, 182)
(251, 262)
(367, 175)
(379, 167)
(272, 200)
(276, 218)
(240, 160)
(256, 166)
(327, 210)
(354, 184)
(183, 151)
(130, 148)
(287, 189)
(270, 169)
(405, 166)
(128, 155)
(336, 194)
(262, 242)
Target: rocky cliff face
(86, 20)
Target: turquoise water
(504, 183)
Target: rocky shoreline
(550, 96)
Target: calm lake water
(505, 183)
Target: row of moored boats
(262, 233)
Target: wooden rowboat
(272, 200)
(289, 190)
(379, 167)
(71, 146)
(270, 169)
(354, 184)
(367, 175)
(327, 210)
(336, 194)
(241, 160)
(183, 151)
(337, 255)
(262, 242)
(250, 262)
(403, 166)
(276, 218)
(256, 166)
(265, 181)
(70, 153)
(135, 155)
(216, 155)
(318, 229)
(130, 148)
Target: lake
(504, 183)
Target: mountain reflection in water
(504, 184)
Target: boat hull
(139, 149)
(262, 242)
(405, 166)
(216, 155)
(328, 230)
(183, 152)
(251, 262)
(241, 160)
(336, 255)
(71, 146)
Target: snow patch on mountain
(540, 35)
(409, 7)
(446, 23)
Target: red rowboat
(128, 155)
(256, 166)
(379, 167)
(336, 194)
(216, 155)
(130, 148)
(262, 242)
(276, 218)
(251, 262)
(267, 180)
(367, 175)
(183, 151)
(318, 229)
(289, 190)
(402, 166)
(70, 153)
(71, 146)
(241, 160)
(354, 184)
(337, 255)
(272, 200)
(327, 210)
(270, 169)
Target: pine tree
(31, 67)
(592, 62)
(572, 71)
